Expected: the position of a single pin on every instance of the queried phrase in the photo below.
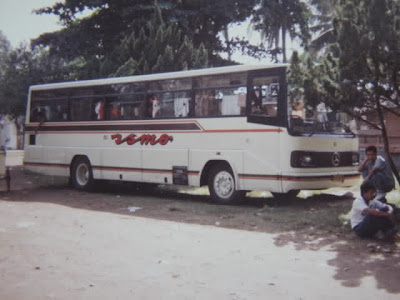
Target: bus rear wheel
(81, 174)
(221, 184)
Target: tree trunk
(385, 139)
(284, 44)
(228, 43)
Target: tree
(23, 68)
(322, 24)
(361, 73)
(95, 36)
(277, 18)
(158, 48)
(5, 48)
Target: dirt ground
(307, 223)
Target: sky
(19, 24)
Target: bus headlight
(305, 160)
(301, 159)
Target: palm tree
(277, 18)
(323, 26)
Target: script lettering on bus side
(144, 139)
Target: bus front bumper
(319, 181)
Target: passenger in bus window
(60, 113)
(297, 110)
(99, 110)
(274, 90)
(38, 115)
(202, 103)
(181, 107)
(256, 103)
(115, 112)
(154, 108)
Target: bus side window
(264, 96)
(81, 110)
(233, 101)
(207, 103)
(99, 110)
(181, 104)
(37, 114)
(153, 106)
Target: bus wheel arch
(221, 181)
(81, 173)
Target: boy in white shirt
(367, 221)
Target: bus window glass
(82, 109)
(207, 103)
(50, 111)
(123, 89)
(309, 118)
(225, 80)
(233, 101)
(172, 85)
(84, 106)
(264, 96)
(220, 102)
(49, 106)
(181, 104)
(38, 112)
(126, 107)
(168, 105)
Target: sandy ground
(128, 242)
(50, 251)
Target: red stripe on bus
(259, 177)
(112, 122)
(294, 178)
(112, 169)
(27, 163)
(156, 131)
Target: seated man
(367, 221)
(376, 171)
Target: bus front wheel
(81, 174)
(221, 184)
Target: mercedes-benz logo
(336, 159)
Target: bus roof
(158, 76)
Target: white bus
(231, 128)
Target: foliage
(322, 23)
(275, 18)
(5, 48)
(158, 48)
(23, 68)
(361, 71)
(96, 35)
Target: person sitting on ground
(375, 170)
(367, 221)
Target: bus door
(265, 111)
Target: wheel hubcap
(223, 184)
(82, 174)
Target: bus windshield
(306, 119)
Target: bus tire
(82, 174)
(288, 195)
(221, 184)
